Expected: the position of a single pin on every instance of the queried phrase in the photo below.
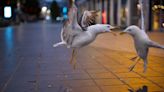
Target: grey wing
(142, 49)
(65, 34)
(88, 18)
(143, 52)
(64, 31)
(154, 44)
(68, 35)
(70, 12)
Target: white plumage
(142, 44)
(76, 36)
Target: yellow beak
(121, 33)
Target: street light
(44, 9)
(7, 12)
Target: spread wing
(88, 18)
(155, 45)
(68, 33)
(72, 11)
(70, 27)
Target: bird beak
(121, 33)
(114, 28)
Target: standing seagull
(142, 44)
(76, 36)
(141, 40)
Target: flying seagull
(142, 44)
(75, 35)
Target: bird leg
(145, 66)
(72, 56)
(132, 66)
(134, 58)
(75, 60)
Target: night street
(29, 63)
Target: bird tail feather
(156, 45)
(58, 44)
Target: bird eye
(108, 26)
(129, 30)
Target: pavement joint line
(38, 73)
(116, 61)
(118, 77)
(11, 76)
(139, 63)
(65, 80)
(149, 80)
(142, 63)
(145, 78)
(115, 74)
(155, 70)
(93, 80)
(94, 48)
(112, 59)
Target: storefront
(128, 12)
(158, 15)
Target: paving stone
(115, 88)
(102, 75)
(107, 82)
(86, 89)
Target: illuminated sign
(7, 12)
(65, 10)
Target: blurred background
(29, 63)
(115, 12)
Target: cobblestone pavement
(29, 63)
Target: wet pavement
(29, 63)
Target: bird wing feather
(70, 28)
(154, 44)
(70, 12)
(68, 33)
(88, 18)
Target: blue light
(65, 10)
(10, 61)
(9, 38)
(7, 12)
(65, 16)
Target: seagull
(75, 35)
(142, 43)
(141, 40)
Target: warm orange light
(104, 19)
(155, 23)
